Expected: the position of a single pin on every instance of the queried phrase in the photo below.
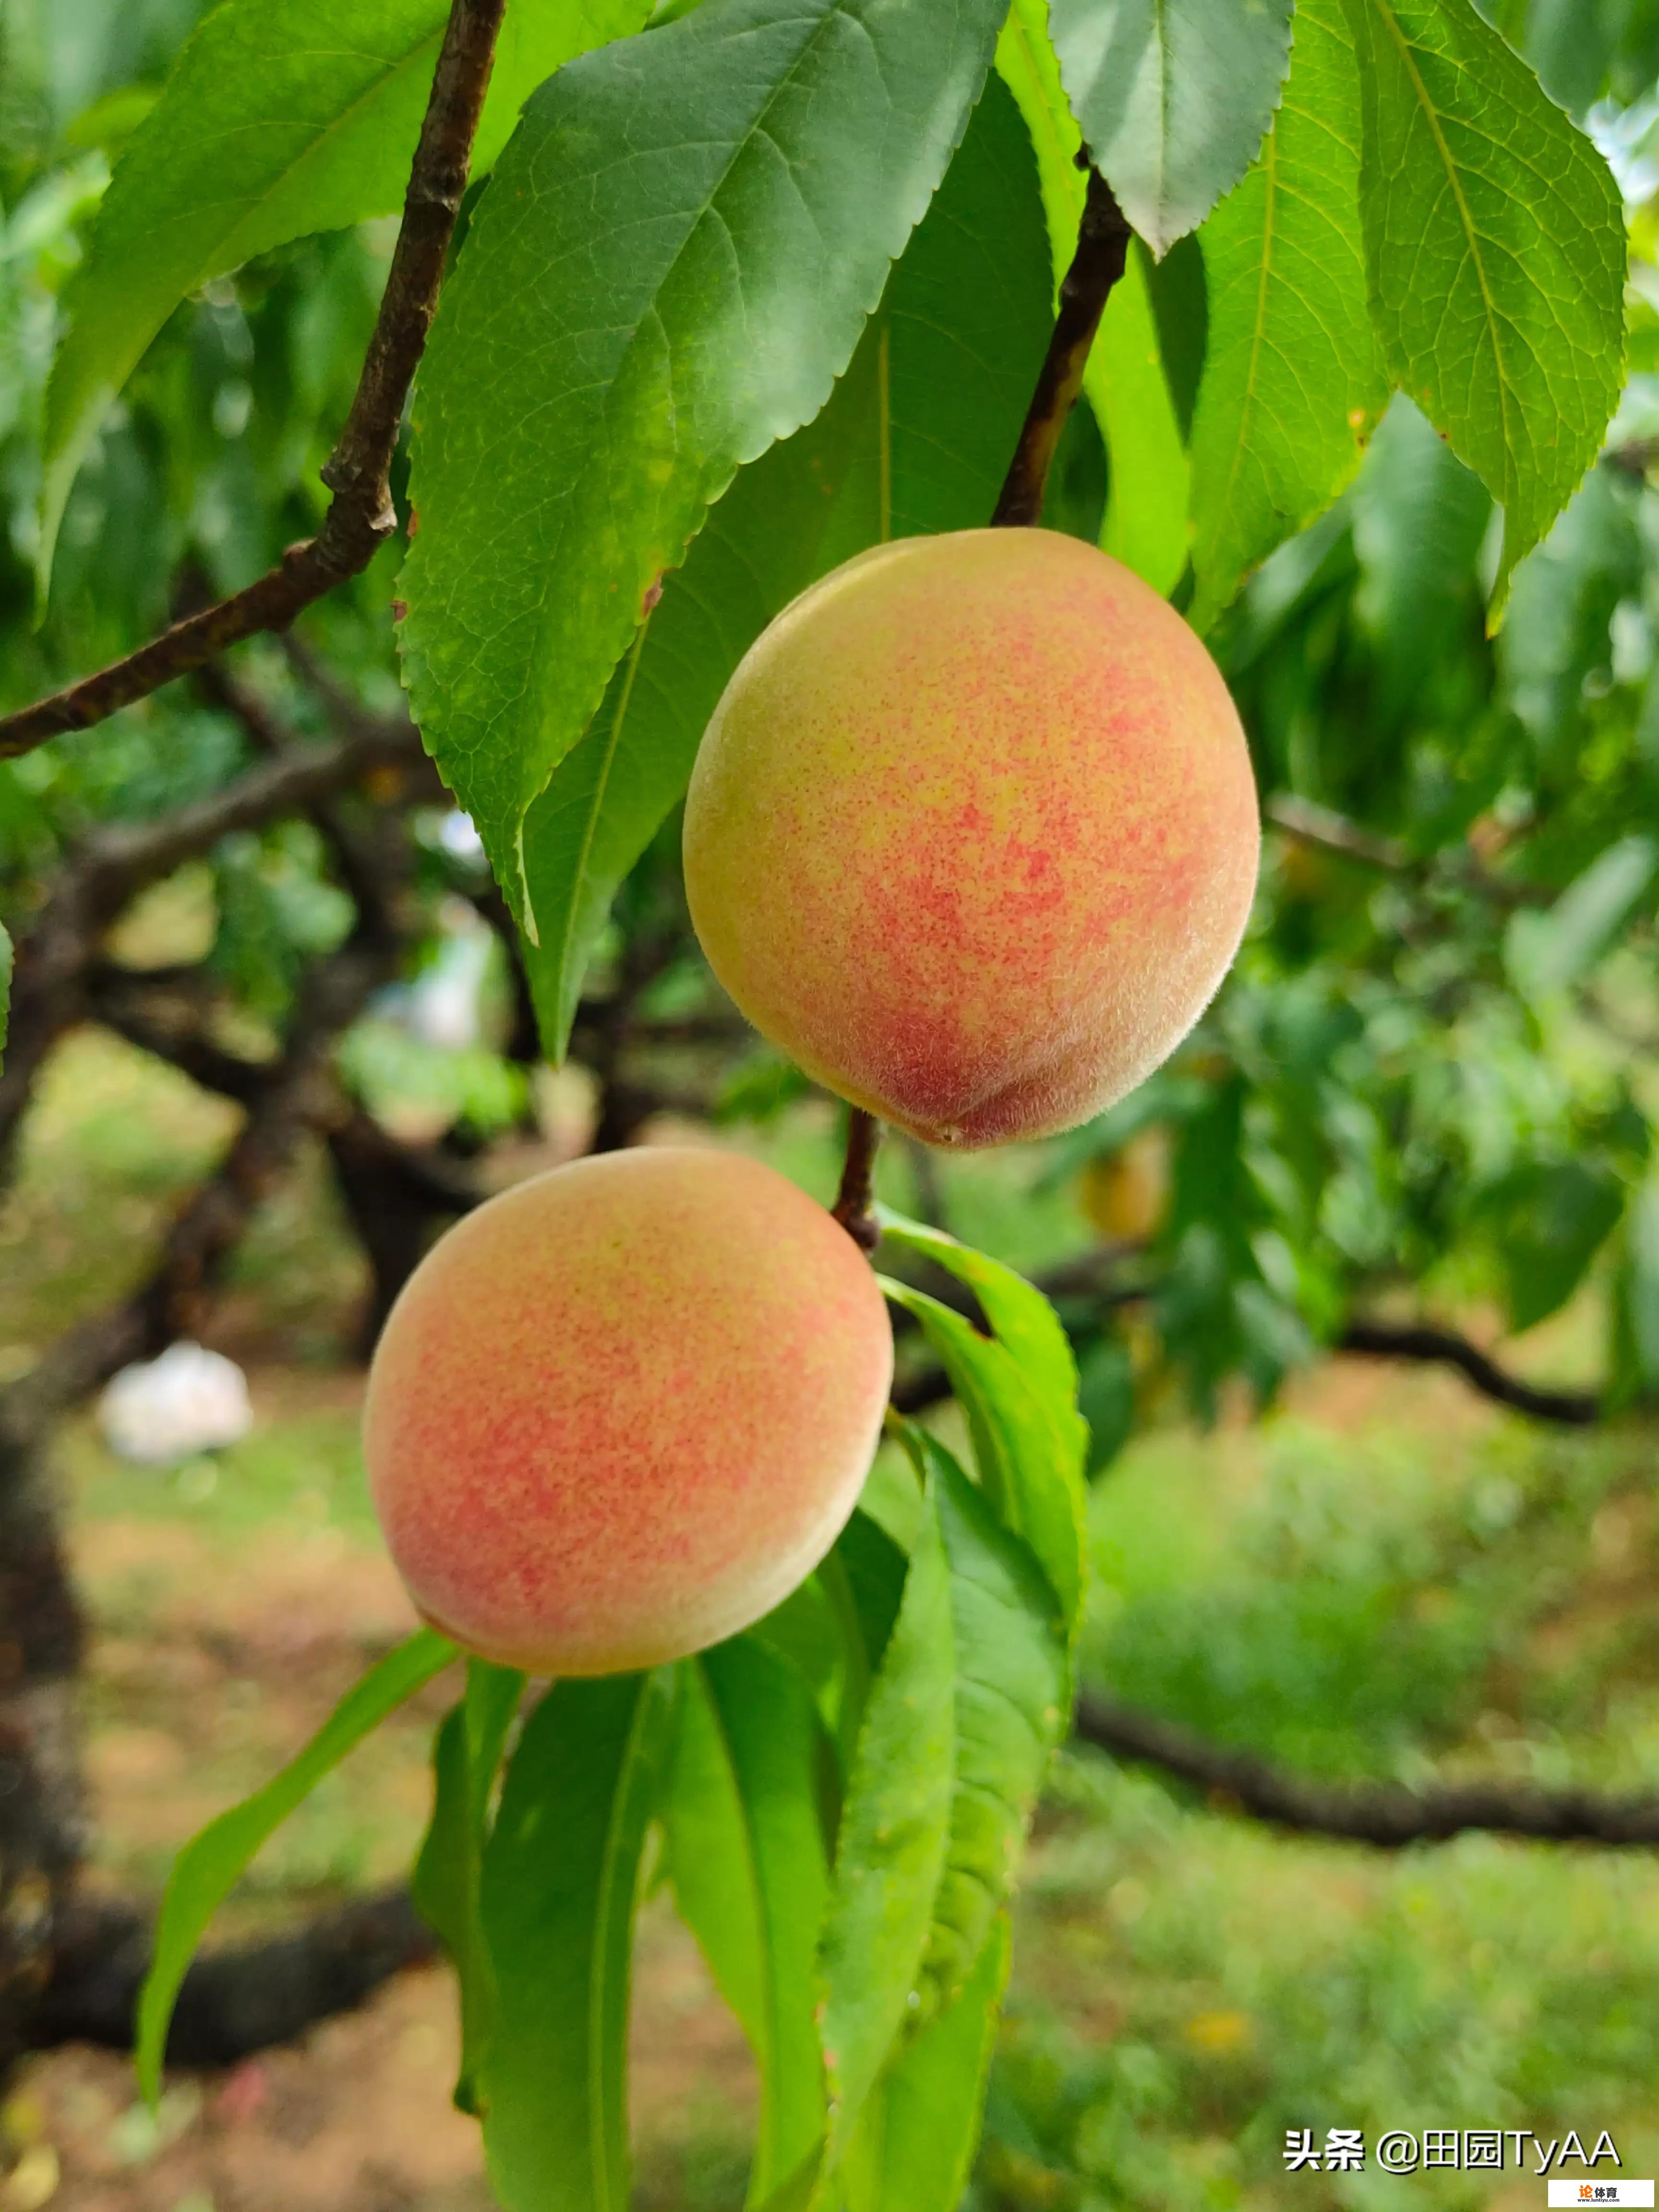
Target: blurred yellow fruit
(1124, 1195)
(1219, 2034)
(32, 2181)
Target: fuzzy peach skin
(619, 1411)
(972, 835)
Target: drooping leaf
(621, 335)
(465, 1754)
(1495, 252)
(1028, 1449)
(1011, 1701)
(920, 2126)
(747, 1858)
(560, 1882)
(1022, 1317)
(915, 439)
(895, 1832)
(276, 121)
(1123, 380)
(206, 1870)
(1293, 381)
(1173, 97)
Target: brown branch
(1382, 1813)
(1574, 1409)
(1102, 248)
(64, 943)
(854, 1199)
(1310, 823)
(233, 2001)
(360, 517)
(302, 1093)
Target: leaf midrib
(1431, 116)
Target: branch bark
(1573, 1409)
(233, 2001)
(360, 518)
(57, 952)
(1102, 248)
(855, 1197)
(1381, 1813)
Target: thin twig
(1383, 1813)
(1103, 247)
(360, 518)
(855, 1198)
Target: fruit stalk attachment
(852, 1201)
(1102, 248)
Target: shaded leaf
(206, 1870)
(748, 1861)
(560, 1883)
(1564, 595)
(620, 336)
(5, 988)
(1012, 1700)
(1495, 251)
(1547, 952)
(1173, 97)
(465, 1754)
(895, 1831)
(1549, 1220)
(1293, 381)
(919, 2129)
(915, 439)
(276, 122)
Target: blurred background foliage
(1428, 1092)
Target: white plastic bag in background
(159, 1411)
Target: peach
(619, 1411)
(972, 835)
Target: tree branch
(360, 517)
(1382, 1813)
(233, 2001)
(56, 954)
(1102, 248)
(1574, 1409)
(1310, 823)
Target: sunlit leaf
(207, 1869)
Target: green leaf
(915, 439)
(465, 1754)
(1495, 252)
(1546, 953)
(1564, 595)
(918, 2131)
(1419, 517)
(1123, 378)
(895, 1832)
(1549, 1220)
(1028, 1445)
(748, 1861)
(1293, 382)
(1172, 97)
(1012, 1698)
(559, 1884)
(276, 122)
(206, 1870)
(620, 336)
(1022, 1317)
